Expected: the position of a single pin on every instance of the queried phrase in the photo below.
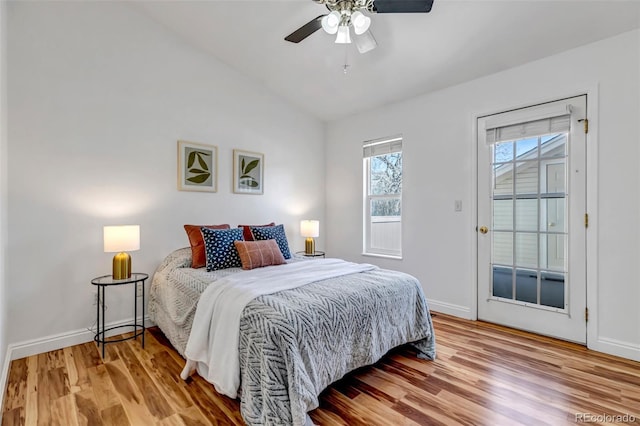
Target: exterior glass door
(531, 208)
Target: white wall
(439, 168)
(4, 363)
(98, 97)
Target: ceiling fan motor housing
(378, 6)
(402, 6)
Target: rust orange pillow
(246, 230)
(198, 258)
(256, 254)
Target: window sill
(384, 256)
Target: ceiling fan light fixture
(331, 22)
(344, 36)
(361, 23)
(365, 42)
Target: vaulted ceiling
(417, 53)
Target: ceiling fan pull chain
(346, 59)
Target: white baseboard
(619, 348)
(51, 343)
(450, 309)
(63, 340)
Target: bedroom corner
(101, 130)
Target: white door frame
(592, 200)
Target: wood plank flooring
(484, 375)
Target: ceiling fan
(344, 14)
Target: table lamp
(120, 239)
(309, 229)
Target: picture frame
(248, 172)
(197, 167)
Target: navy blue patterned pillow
(273, 233)
(219, 249)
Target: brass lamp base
(309, 246)
(121, 266)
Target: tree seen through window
(386, 179)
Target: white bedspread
(212, 348)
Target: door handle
(483, 229)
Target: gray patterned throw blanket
(294, 343)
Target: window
(529, 205)
(383, 197)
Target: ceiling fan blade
(402, 6)
(365, 42)
(306, 30)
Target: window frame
(391, 145)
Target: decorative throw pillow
(273, 233)
(198, 259)
(246, 230)
(219, 248)
(256, 254)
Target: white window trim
(370, 149)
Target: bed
(292, 344)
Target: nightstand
(137, 279)
(316, 253)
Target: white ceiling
(417, 53)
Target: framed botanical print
(248, 172)
(197, 167)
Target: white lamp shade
(121, 238)
(344, 36)
(330, 22)
(361, 23)
(309, 228)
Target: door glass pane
(503, 152)
(503, 215)
(552, 289)
(527, 149)
(527, 250)
(553, 146)
(527, 177)
(527, 215)
(555, 180)
(503, 282)
(502, 248)
(552, 214)
(526, 285)
(553, 252)
(503, 179)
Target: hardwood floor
(484, 375)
